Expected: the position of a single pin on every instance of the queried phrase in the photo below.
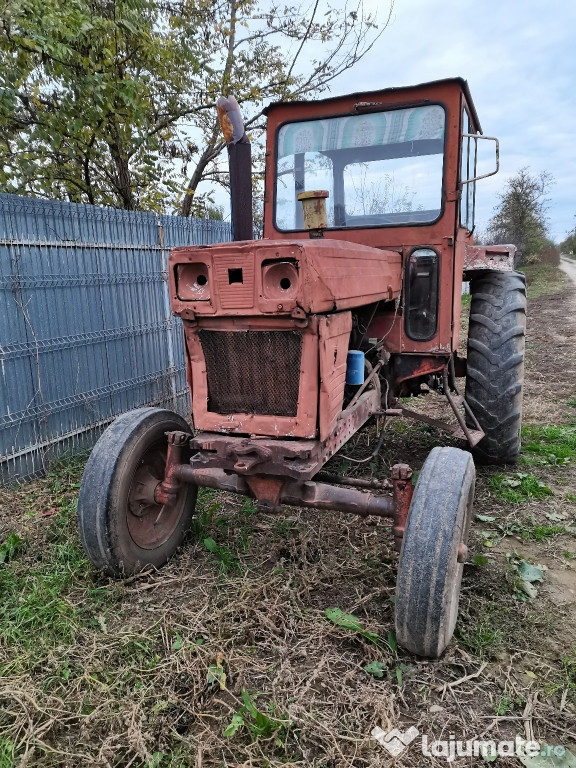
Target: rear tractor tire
(495, 369)
(122, 527)
(433, 551)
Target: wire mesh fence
(85, 326)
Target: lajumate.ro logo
(395, 742)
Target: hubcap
(151, 524)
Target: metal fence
(85, 326)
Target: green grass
(543, 279)
(36, 613)
(48, 599)
(208, 504)
(565, 678)
(224, 555)
(551, 444)
(518, 487)
(525, 531)
(210, 524)
(258, 724)
(11, 545)
(508, 704)
(530, 532)
(484, 637)
(7, 753)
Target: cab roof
(389, 94)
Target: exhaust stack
(240, 165)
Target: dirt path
(227, 658)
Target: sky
(519, 58)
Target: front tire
(429, 571)
(495, 368)
(122, 528)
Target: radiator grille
(252, 371)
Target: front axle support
(271, 492)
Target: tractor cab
(397, 170)
(399, 165)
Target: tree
(90, 92)
(520, 217)
(112, 101)
(261, 54)
(569, 244)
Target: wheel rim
(151, 524)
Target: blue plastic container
(355, 367)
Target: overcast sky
(519, 57)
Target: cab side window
(467, 171)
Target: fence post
(164, 253)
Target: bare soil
(151, 671)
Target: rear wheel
(122, 527)
(495, 368)
(434, 543)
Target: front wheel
(122, 527)
(433, 548)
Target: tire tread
(495, 368)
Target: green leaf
(375, 668)
(529, 572)
(479, 560)
(258, 723)
(10, 547)
(346, 620)
(550, 756)
(211, 545)
(235, 724)
(528, 588)
(485, 518)
(216, 676)
(250, 706)
(350, 622)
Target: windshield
(380, 169)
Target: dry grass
(97, 673)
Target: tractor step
(455, 430)
(473, 438)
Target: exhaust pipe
(240, 166)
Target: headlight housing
(280, 280)
(193, 282)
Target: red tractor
(294, 342)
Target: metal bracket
(461, 430)
(479, 137)
(248, 457)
